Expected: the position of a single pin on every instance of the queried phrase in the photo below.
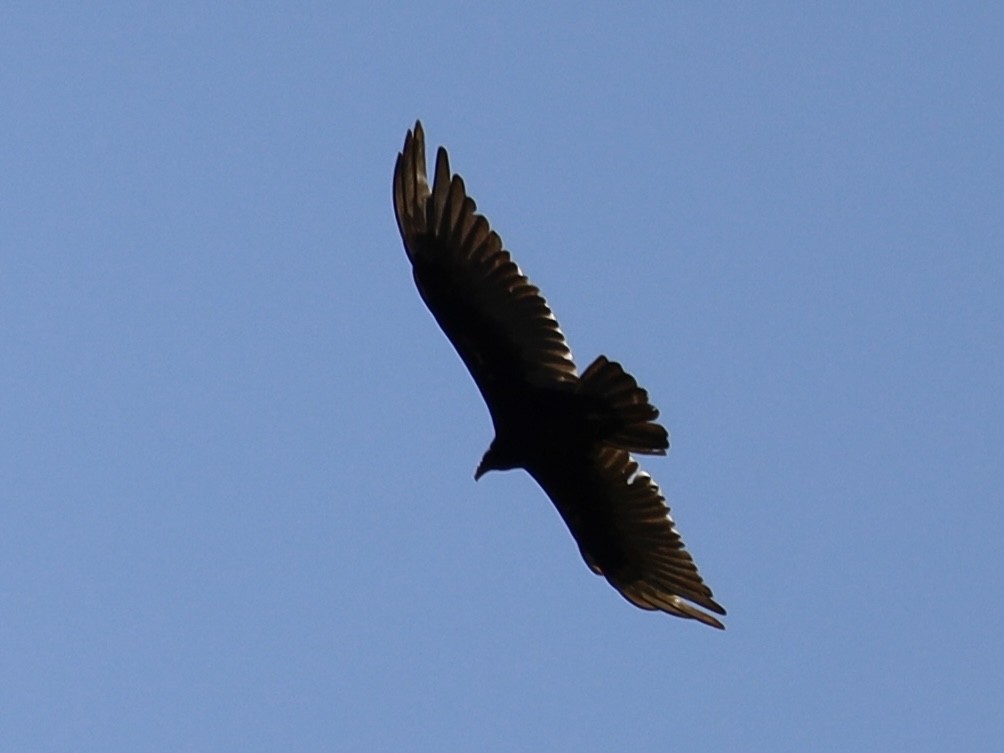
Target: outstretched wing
(498, 322)
(622, 525)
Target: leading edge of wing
(497, 320)
(623, 527)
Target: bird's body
(572, 434)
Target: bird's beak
(480, 471)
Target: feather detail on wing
(496, 319)
(624, 530)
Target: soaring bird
(572, 433)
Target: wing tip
(648, 597)
(411, 187)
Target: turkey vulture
(571, 433)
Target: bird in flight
(572, 433)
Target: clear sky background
(236, 452)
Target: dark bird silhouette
(573, 434)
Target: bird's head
(495, 459)
(487, 464)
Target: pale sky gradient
(236, 452)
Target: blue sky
(238, 510)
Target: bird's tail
(630, 423)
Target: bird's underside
(573, 434)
